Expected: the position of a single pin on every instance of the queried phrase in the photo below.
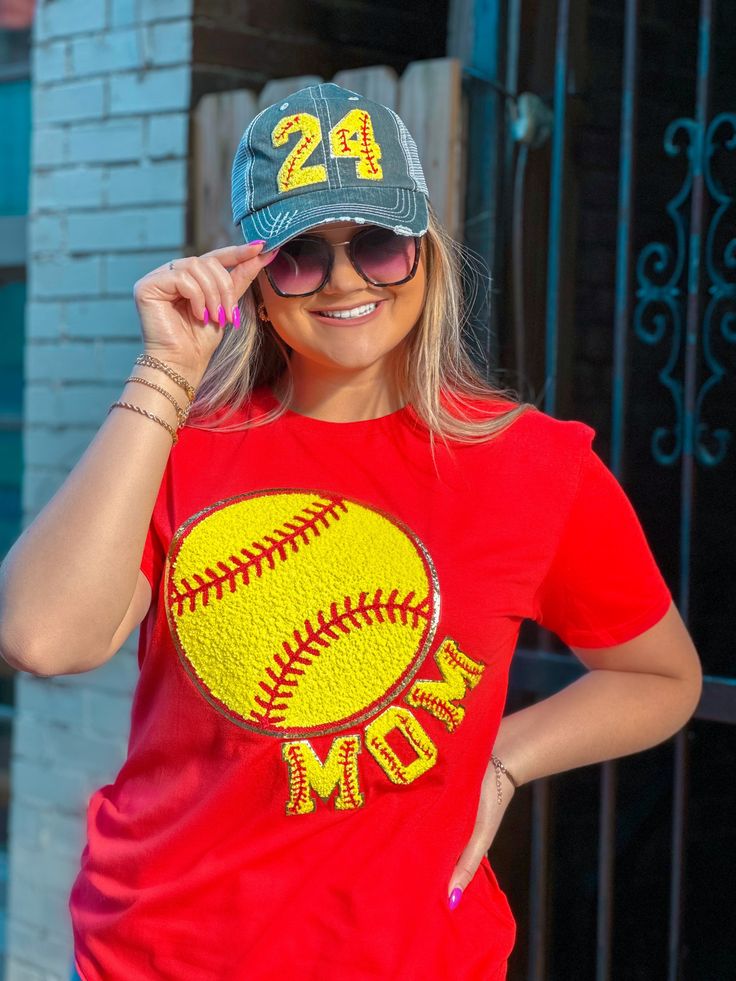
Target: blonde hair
(436, 374)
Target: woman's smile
(349, 316)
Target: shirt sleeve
(154, 551)
(603, 586)
(152, 560)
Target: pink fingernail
(206, 317)
(272, 255)
(455, 897)
(221, 315)
(257, 241)
(236, 317)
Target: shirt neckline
(328, 425)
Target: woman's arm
(634, 696)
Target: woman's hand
(487, 823)
(171, 302)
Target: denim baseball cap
(326, 154)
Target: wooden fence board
(279, 88)
(430, 103)
(380, 83)
(218, 123)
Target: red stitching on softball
(278, 545)
(357, 616)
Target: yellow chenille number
(351, 137)
(293, 172)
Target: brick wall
(108, 193)
(113, 85)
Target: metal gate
(644, 349)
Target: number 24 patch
(351, 137)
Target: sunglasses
(383, 258)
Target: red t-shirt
(322, 675)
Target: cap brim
(403, 210)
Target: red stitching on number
(343, 134)
(277, 546)
(344, 757)
(367, 153)
(390, 758)
(299, 775)
(298, 151)
(451, 653)
(439, 708)
(312, 640)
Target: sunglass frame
(330, 252)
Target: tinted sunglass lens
(299, 267)
(383, 256)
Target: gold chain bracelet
(149, 361)
(150, 415)
(181, 413)
(500, 768)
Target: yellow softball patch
(297, 612)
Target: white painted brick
(79, 361)
(170, 43)
(167, 135)
(153, 91)
(54, 447)
(69, 101)
(62, 788)
(17, 970)
(108, 715)
(49, 62)
(60, 18)
(39, 486)
(118, 676)
(165, 9)
(104, 53)
(112, 141)
(109, 318)
(69, 746)
(124, 13)
(123, 229)
(77, 405)
(148, 183)
(46, 233)
(72, 187)
(25, 932)
(51, 946)
(48, 830)
(121, 272)
(49, 146)
(51, 278)
(43, 320)
(45, 699)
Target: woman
(330, 570)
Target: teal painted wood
(486, 114)
(15, 146)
